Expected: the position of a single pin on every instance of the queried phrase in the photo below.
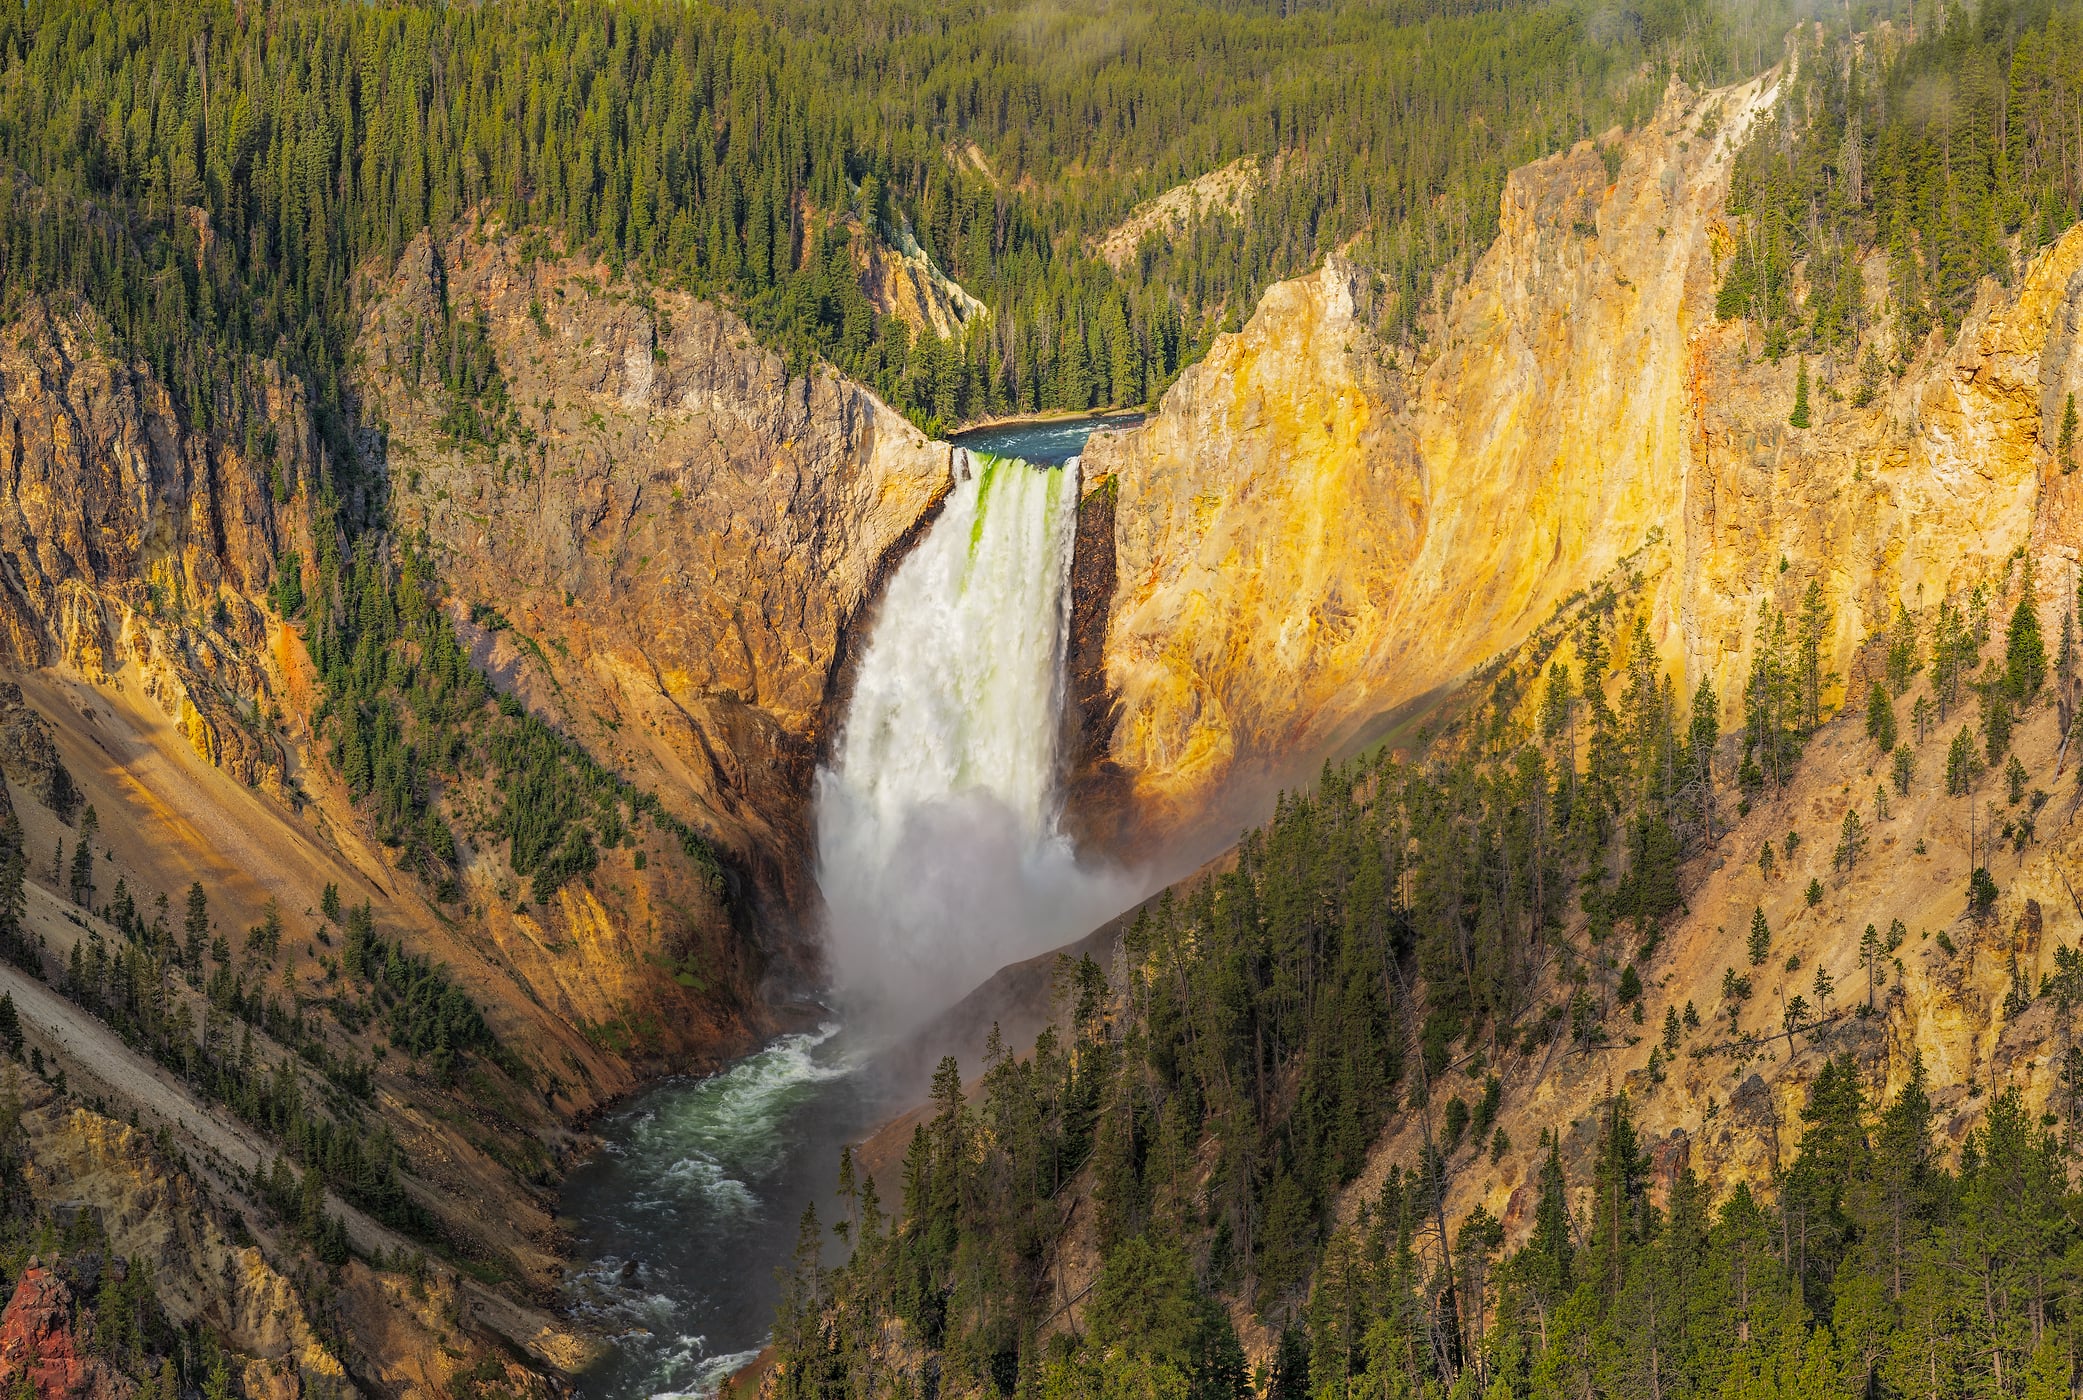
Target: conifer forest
(1570, 534)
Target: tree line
(1946, 142)
(1197, 1108)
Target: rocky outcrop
(125, 537)
(1961, 997)
(1316, 537)
(1262, 523)
(123, 1205)
(1313, 531)
(900, 280)
(136, 556)
(673, 538)
(671, 557)
(153, 1218)
(1228, 190)
(41, 1343)
(29, 756)
(1094, 784)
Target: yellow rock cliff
(1314, 531)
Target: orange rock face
(1315, 531)
(128, 538)
(38, 1338)
(681, 534)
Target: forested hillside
(1174, 1164)
(216, 181)
(1948, 150)
(212, 176)
(219, 198)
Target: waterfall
(939, 852)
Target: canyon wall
(131, 541)
(667, 548)
(1319, 542)
(1314, 531)
(660, 540)
(661, 543)
(138, 559)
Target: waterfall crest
(939, 852)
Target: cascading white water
(939, 853)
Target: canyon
(673, 553)
(1313, 532)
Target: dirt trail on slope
(88, 1049)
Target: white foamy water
(700, 1183)
(939, 851)
(940, 859)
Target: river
(682, 1219)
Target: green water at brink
(1046, 442)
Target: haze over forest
(1129, 698)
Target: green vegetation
(213, 183)
(406, 708)
(1467, 919)
(216, 182)
(1215, 1102)
(1784, 695)
(1269, 1031)
(1945, 146)
(134, 987)
(130, 986)
(1880, 718)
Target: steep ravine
(674, 536)
(1314, 530)
(672, 544)
(1316, 539)
(671, 579)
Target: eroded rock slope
(673, 539)
(1313, 531)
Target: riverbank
(1106, 417)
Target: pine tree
(1799, 417)
(1814, 632)
(1619, 1181)
(1963, 764)
(1290, 1379)
(1880, 718)
(81, 884)
(14, 875)
(1902, 651)
(2025, 653)
(1996, 725)
(2065, 444)
(1952, 655)
(1981, 893)
(196, 927)
(1550, 1253)
(1851, 841)
(1760, 940)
